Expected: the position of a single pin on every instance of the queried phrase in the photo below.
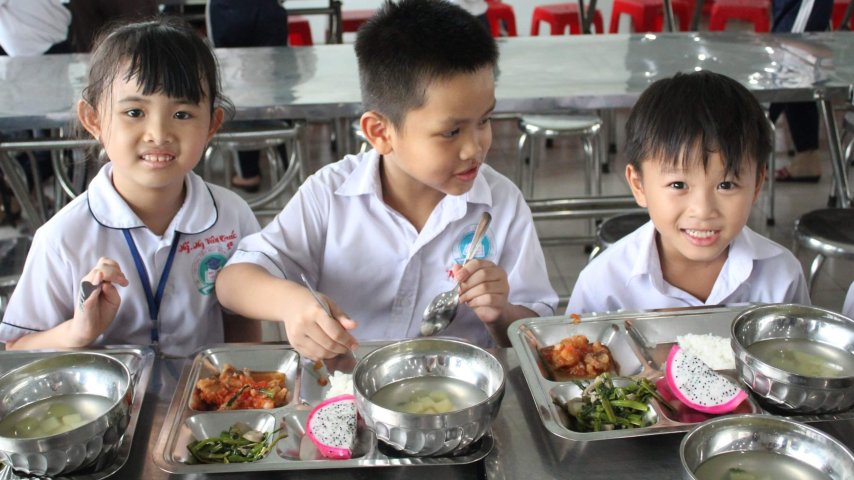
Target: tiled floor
(561, 174)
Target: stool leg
(537, 148)
(815, 266)
(522, 151)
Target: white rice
(340, 383)
(714, 351)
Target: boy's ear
(89, 119)
(377, 129)
(633, 176)
(216, 122)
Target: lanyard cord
(153, 300)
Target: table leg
(843, 194)
(669, 25)
(695, 18)
(19, 188)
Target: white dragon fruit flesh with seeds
(331, 426)
(698, 386)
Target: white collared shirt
(373, 263)
(848, 308)
(627, 276)
(211, 222)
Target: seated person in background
(149, 233)
(381, 233)
(848, 307)
(697, 146)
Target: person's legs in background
(237, 23)
(801, 16)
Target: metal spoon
(344, 362)
(442, 310)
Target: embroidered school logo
(207, 266)
(483, 250)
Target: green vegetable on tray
(239, 444)
(605, 406)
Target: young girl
(149, 236)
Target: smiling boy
(382, 233)
(697, 146)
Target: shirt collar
(197, 214)
(365, 179)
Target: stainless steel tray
(139, 361)
(295, 452)
(639, 343)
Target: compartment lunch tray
(138, 360)
(639, 343)
(184, 424)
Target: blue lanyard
(153, 300)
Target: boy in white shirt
(848, 307)
(697, 146)
(380, 233)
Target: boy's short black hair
(681, 120)
(408, 44)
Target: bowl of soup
(429, 396)
(64, 413)
(762, 446)
(796, 358)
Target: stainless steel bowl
(429, 434)
(765, 433)
(91, 445)
(787, 390)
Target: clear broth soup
(804, 357)
(756, 466)
(428, 395)
(54, 415)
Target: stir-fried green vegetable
(239, 444)
(605, 406)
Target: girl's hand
(98, 311)
(484, 288)
(313, 333)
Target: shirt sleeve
(45, 293)
(294, 241)
(848, 307)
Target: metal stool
(359, 136)
(615, 228)
(13, 253)
(267, 137)
(829, 232)
(537, 128)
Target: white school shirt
(627, 276)
(373, 263)
(211, 223)
(31, 27)
(848, 308)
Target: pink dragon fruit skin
(331, 426)
(698, 386)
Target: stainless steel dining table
(535, 74)
(523, 448)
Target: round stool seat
(829, 231)
(614, 228)
(252, 135)
(557, 125)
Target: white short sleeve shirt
(848, 308)
(370, 259)
(627, 276)
(209, 226)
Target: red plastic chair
(839, 7)
(498, 12)
(648, 15)
(559, 16)
(299, 31)
(351, 20)
(757, 12)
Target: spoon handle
(323, 304)
(485, 220)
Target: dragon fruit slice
(332, 426)
(698, 386)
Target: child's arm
(89, 320)
(484, 288)
(251, 291)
